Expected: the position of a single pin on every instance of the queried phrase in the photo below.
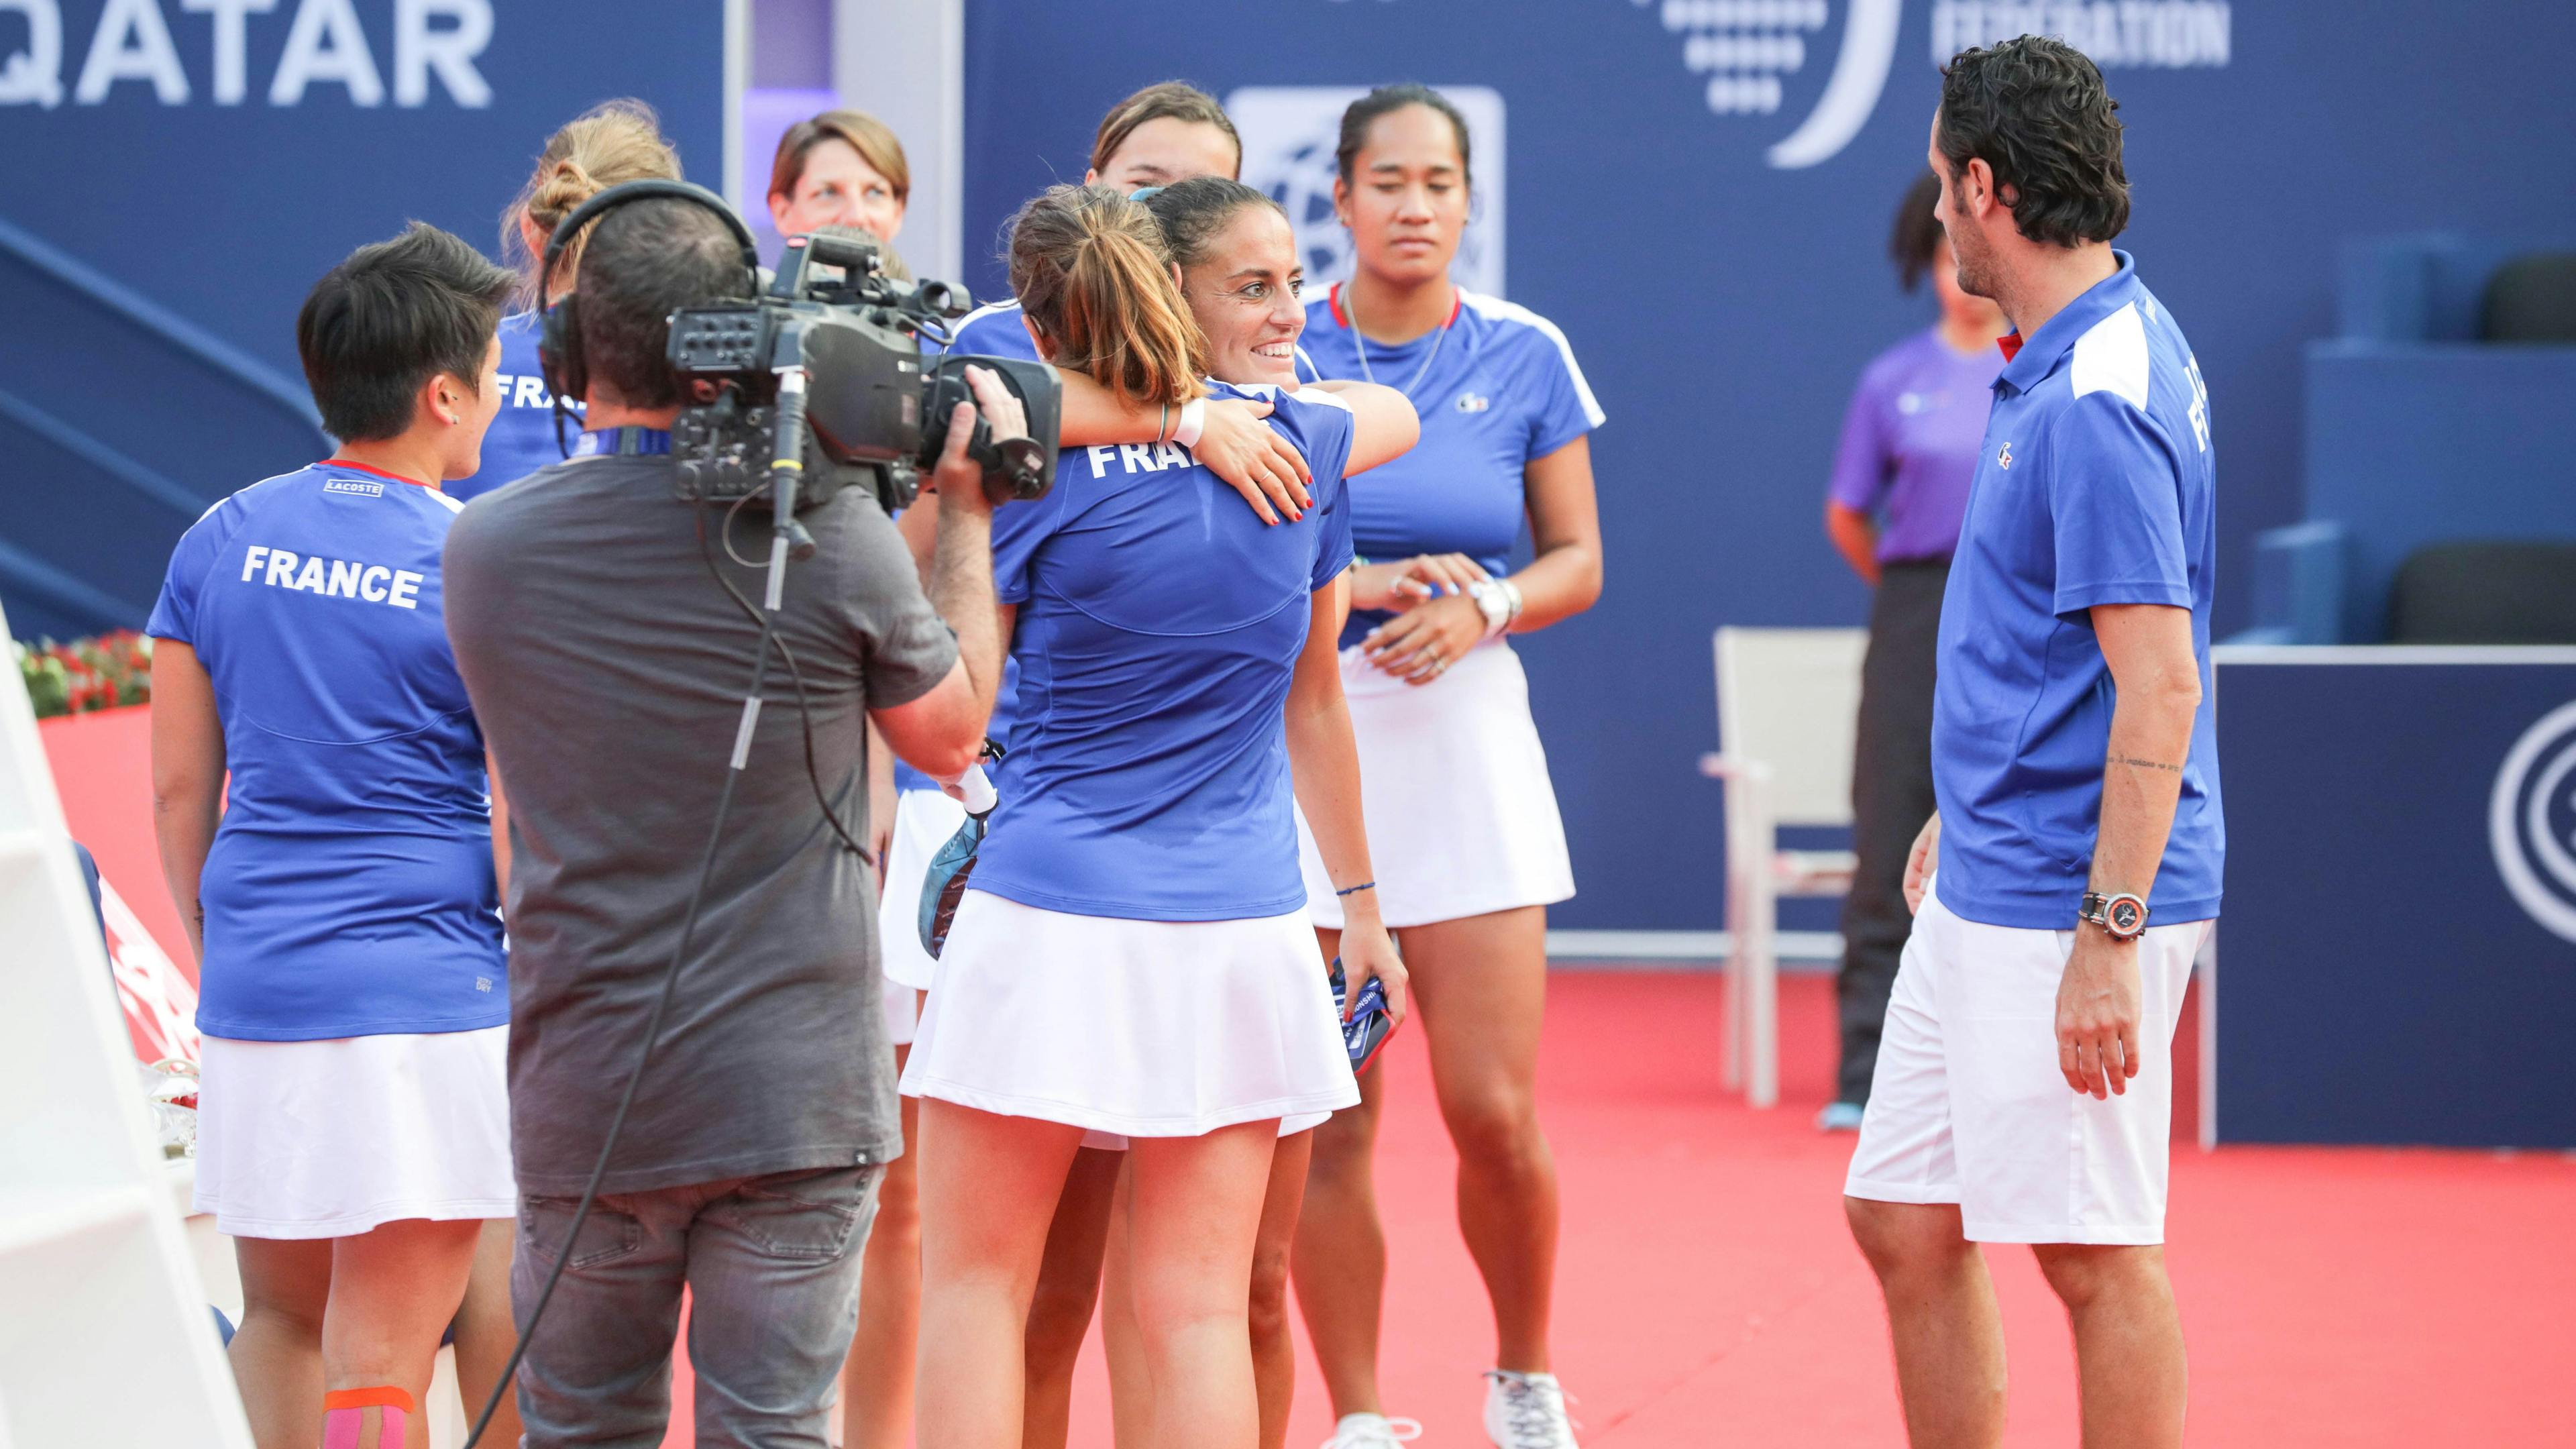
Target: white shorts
(1454, 789)
(329, 1139)
(923, 821)
(1138, 1028)
(1968, 1106)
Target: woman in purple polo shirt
(1900, 487)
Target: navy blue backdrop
(157, 233)
(1723, 307)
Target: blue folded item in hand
(944, 884)
(1367, 1028)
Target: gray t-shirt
(608, 670)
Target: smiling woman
(841, 168)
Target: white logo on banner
(324, 44)
(1289, 134)
(2531, 821)
(1748, 48)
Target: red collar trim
(2010, 345)
(379, 472)
(1457, 304)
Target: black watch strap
(2123, 916)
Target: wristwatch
(2123, 917)
(1493, 603)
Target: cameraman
(607, 664)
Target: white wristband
(1193, 422)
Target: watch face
(2127, 917)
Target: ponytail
(608, 145)
(1091, 269)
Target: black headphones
(559, 344)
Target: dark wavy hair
(2036, 110)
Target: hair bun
(565, 187)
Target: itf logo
(1289, 133)
(2531, 821)
(1751, 50)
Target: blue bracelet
(1366, 885)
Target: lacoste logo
(2003, 459)
(363, 490)
(1469, 402)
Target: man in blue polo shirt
(2024, 1087)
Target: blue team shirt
(349, 891)
(2095, 485)
(1159, 624)
(522, 437)
(1503, 388)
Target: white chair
(1788, 703)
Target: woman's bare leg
(394, 1290)
(1067, 1289)
(486, 1331)
(1131, 1380)
(1196, 1214)
(1482, 985)
(876, 1383)
(989, 1186)
(1340, 1259)
(277, 1349)
(1274, 1348)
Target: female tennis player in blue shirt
(1133, 956)
(1461, 818)
(354, 1119)
(608, 145)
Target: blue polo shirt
(1496, 386)
(349, 890)
(1160, 622)
(2095, 485)
(992, 331)
(522, 437)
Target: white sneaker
(1372, 1431)
(1526, 1411)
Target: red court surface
(1709, 1296)
(1707, 1292)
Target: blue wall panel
(2379, 980)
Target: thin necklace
(1358, 338)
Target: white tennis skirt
(329, 1139)
(923, 821)
(1453, 785)
(1139, 1028)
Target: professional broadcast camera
(873, 408)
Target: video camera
(871, 408)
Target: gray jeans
(771, 1265)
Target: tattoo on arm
(2145, 764)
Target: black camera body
(875, 408)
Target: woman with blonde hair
(608, 145)
(1132, 956)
